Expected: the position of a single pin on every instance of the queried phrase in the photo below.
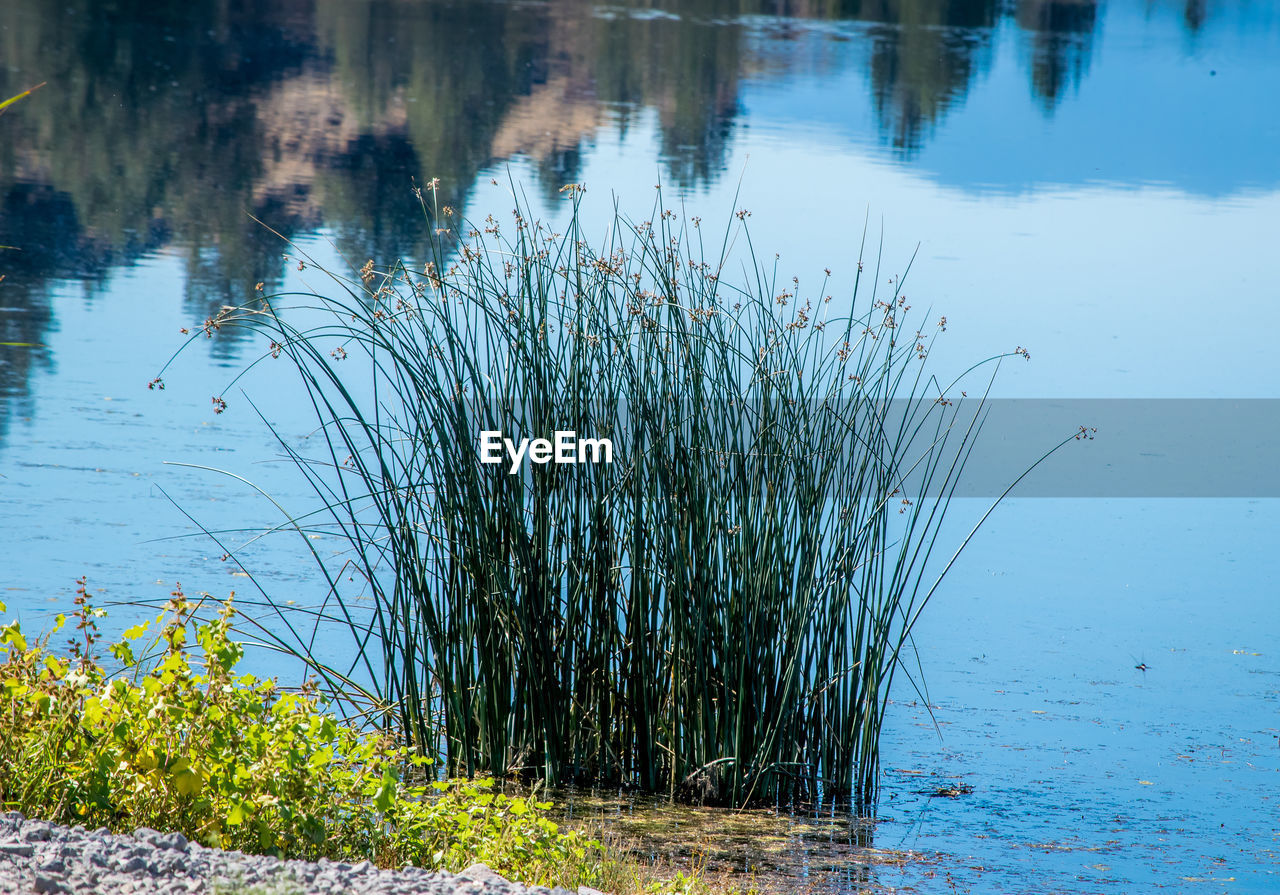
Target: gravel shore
(41, 857)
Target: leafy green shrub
(177, 741)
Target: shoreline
(38, 856)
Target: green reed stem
(720, 612)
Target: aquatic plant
(721, 611)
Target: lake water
(1096, 181)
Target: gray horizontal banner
(1142, 448)
(1115, 447)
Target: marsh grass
(5, 104)
(720, 613)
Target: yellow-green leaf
(12, 635)
(92, 713)
(188, 782)
(386, 794)
(137, 631)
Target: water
(1097, 182)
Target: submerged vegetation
(719, 613)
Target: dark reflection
(1194, 15)
(925, 57)
(1061, 37)
(418, 91)
(148, 134)
(44, 238)
(178, 123)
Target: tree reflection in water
(170, 123)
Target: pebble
(40, 857)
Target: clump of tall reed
(720, 612)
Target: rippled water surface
(1097, 181)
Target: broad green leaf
(123, 653)
(386, 794)
(12, 635)
(188, 782)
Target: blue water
(1096, 182)
(1090, 774)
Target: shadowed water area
(1095, 180)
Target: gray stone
(48, 884)
(133, 865)
(482, 873)
(170, 841)
(57, 859)
(36, 831)
(53, 864)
